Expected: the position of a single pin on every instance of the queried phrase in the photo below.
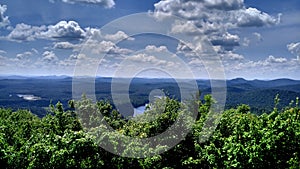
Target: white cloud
(183, 48)
(96, 34)
(272, 59)
(104, 3)
(199, 47)
(232, 56)
(34, 51)
(99, 47)
(224, 5)
(148, 59)
(246, 42)
(185, 27)
(214, 18)
(152, 48)
(13, 63)
(62, 30)
(269, 63)
(49, 57)
(229, 13)
(2, 52)
(4, 21)
(65, 30)
(258, 36)
(2, 57)
(227, 41)
(3, 61)
(64, 45)
(74, 60)
(252, 17)
(93, 33)
(270, 67)
(294, 48)
(24, 55)
(24, 32)
(77, 56)
(106, 47)
(120, 35)
(183, 8)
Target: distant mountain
(52, 77)
(274, 83)
(259, 94)
(13, 77)
(17, 77)
(237, 81)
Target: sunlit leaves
(67, 139)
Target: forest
(76, 137)
(258, 94)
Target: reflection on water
(29, 97)
(139, 110)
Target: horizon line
(71, 76)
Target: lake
(139, 110)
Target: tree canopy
(67, 139)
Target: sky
(251, 39)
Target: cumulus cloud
(93, 33)
(272, 59)
(2, 52)
(96, 34)
(194, 49)
(224, 5)
(24, 55)
(104, 3)
(185, 27)
(230, 13)
(152, 48)
(214, 18)
(232, 56)
(77, 56)
(183, 48)
(149, 59)
(252, 17)
(294, 48)
(106, 47)
(227, 41)
(49, 56)
(24, 32)
(272, 66)
(64, 45)
(27, 54)
(3, 61)
(120, 35)
(65, 30)
(62, 30)
(34, 51)
(246, 41)
(4, 21)
(258, 36)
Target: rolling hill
(259, 94)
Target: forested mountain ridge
(259, 94)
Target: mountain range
(258, 94)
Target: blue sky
(253, 39)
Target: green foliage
(66, 139)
